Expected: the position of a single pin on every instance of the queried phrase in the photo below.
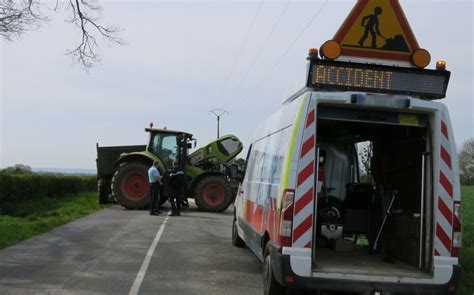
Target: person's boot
(174, 213)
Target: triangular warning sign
(377, 29)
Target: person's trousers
(154, 196)
(175, 200)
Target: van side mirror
(190, 145)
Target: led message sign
(344, 76)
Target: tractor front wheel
(213, 194)
(130, 185)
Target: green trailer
(212, 180)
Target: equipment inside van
(381, 213)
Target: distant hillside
(73, 171)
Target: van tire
(270, 284)
(236, 240)
(213, 194)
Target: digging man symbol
(371, 24)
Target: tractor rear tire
(213, 194)
(130, 185)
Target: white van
(319, 221)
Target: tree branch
(17, 17)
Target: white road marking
(141, 273)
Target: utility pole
(218, 113)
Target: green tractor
(212, 181)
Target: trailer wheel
(103, 191)
(270, 284)
(130, 185)
(213, 194)
(236, 239)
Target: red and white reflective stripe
(444, 215)
(304, 194)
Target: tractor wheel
(130, 185)
(213, 194)
(103, 192)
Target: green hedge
(23, 187)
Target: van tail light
(286, 223)
(457, 230)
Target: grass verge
(40, 215)
(467, 250)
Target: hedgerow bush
(28, 186)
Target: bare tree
(466, 162)
(17, 17)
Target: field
(467, 252)
(39, 215)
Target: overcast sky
(184, 59)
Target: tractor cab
(169, 146)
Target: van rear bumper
(285, 276)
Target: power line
(254, 61)
(278, 62)
(229, 76)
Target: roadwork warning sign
(377, 29)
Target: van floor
(361, 262)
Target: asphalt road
(104, 252)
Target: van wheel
(270, 284)
(236, 240)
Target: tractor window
(165, 147)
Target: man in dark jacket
(177, 184)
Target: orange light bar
(441, 65)
(421, 58)
(331, 50)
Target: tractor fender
(194, 182)
(142, 157)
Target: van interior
(373, 177)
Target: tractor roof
(166, 131)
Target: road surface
(119, 251)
